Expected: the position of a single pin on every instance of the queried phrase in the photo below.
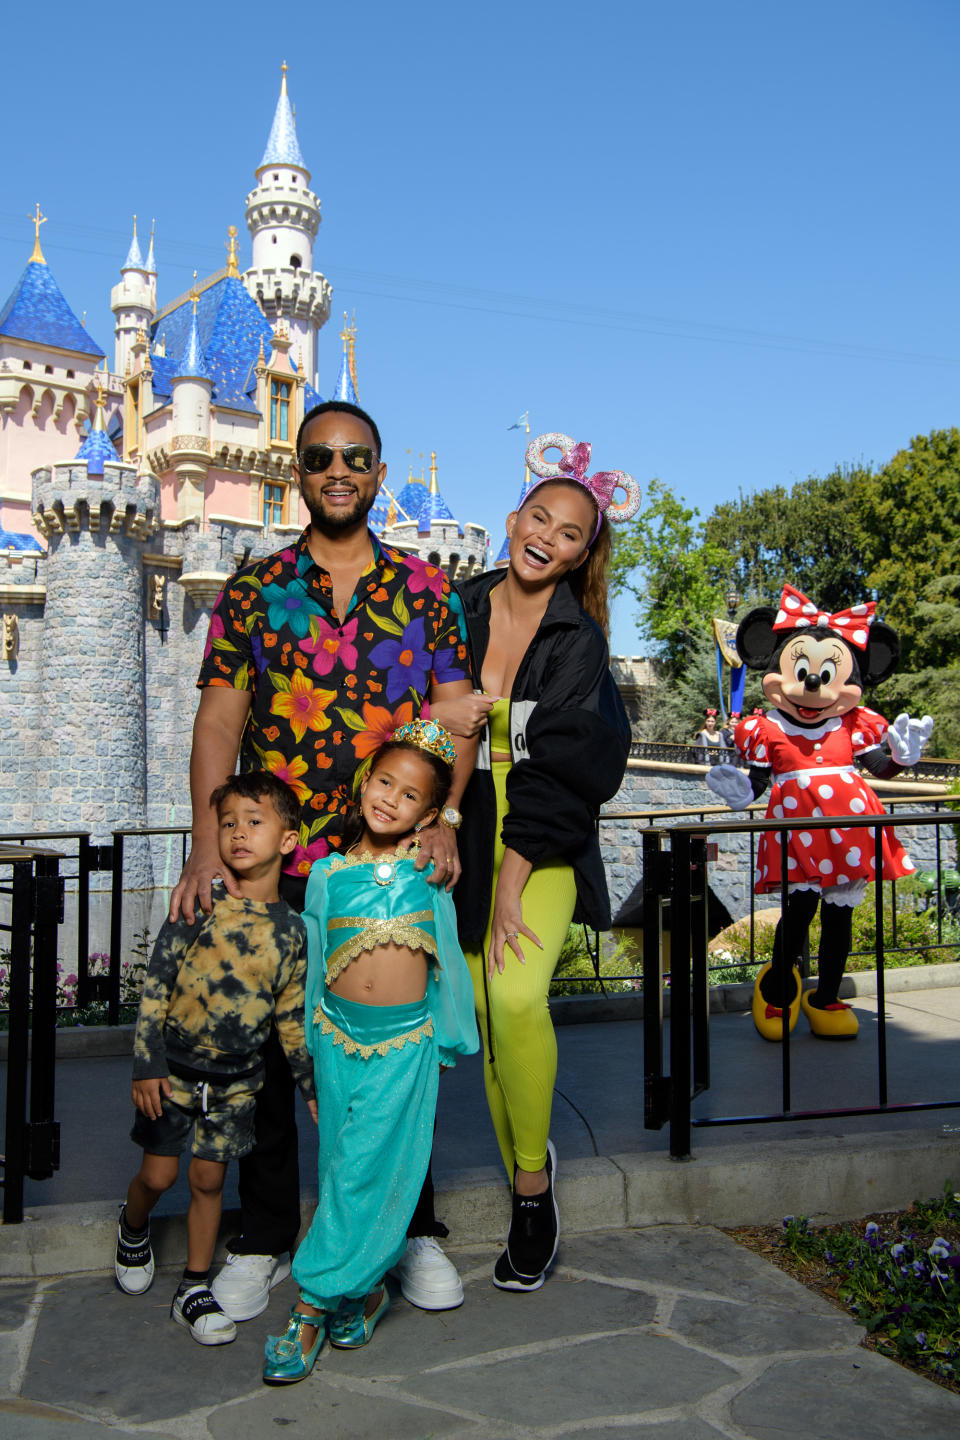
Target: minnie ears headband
(797, 612)
(572, 465)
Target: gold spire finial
(100, 402)
(434, 487)
(352, 352)
(38, 220)
(195, 293)
(345, 333)
(233, 258)
(283, 79)
(134, 227)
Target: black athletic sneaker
(534, 1228)
(133, 1264)
(506, 1278)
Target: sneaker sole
(519, 1286)
(424, 1300)
(556, 1240)
(239, 1313)
(124, 1285)
(222, 1337)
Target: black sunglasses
(317, 458)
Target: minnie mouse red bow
(797, 613)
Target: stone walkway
(667, 1333)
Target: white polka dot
(791, 863)
(858, 737)
(873, 861)
(778, 812)
(825, 792)
(908, 863)
(781, 617)
(791, 602)
(842, 880)
(857, 805)
(836, 837)
(818, 812)
(761, 752)
(809, 608)
(826, 867)
(839, 620)
(806, 838)
(803, 781)
(847, 778)
(860, 609)
(749, 724)
(790, 802)
(853, 855)
(859, 637)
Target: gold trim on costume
(383, 1047)
(366, 857)
(381, 932)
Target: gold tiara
(428, 735)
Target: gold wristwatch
(451, 817)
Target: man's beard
(336, 523)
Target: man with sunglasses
(314, 656)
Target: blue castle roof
(230, 327)
(345, 388)
(13, 540)
(192, 361)
(97, 448)
(37, 311)
(411, 498)
(134, 260)
(282, 145)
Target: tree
(661, 559)
(912, 549)
(812, 536)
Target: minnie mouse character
(815, 668)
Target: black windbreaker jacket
(569, 739)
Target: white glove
(907, 738)
(731, 785)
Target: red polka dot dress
(814, 775)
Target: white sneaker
(133, 1263)
(197, 1311)
(427, 1278)
(242, 1288)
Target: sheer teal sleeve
(450, 989)
(315, 919)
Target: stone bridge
(653, 785)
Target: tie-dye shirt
(212, 988)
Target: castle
(149, 482)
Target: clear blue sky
(717, 240)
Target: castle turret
(95, 514)
(283, 217)
(346, 388)
(133, 301)
(192, 386)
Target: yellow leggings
(520, 1078)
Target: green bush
(575, 967)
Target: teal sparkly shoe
(350, 1328)
(285, 1360)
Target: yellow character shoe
(769, 1018)
(835, 1022)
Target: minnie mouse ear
(882, 654)
(756, 638)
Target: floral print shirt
(326, 694)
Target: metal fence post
(680, 996)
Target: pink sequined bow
(797, 613)
(602, 486)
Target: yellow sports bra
(499, 721)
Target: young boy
(211, 991)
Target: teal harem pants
(377, 1071)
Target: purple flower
(921, 1339)
(406, 661)
(259, 659)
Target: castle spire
(193, 364)
(134, 260)
(233, 258)
(282, 145)
(38, 220)
(151, 260)
(345, 388)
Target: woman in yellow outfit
(554, 740)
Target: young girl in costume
(388, 1002)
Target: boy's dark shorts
(220, 1115)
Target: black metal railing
(30, 878)
(679, 876)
